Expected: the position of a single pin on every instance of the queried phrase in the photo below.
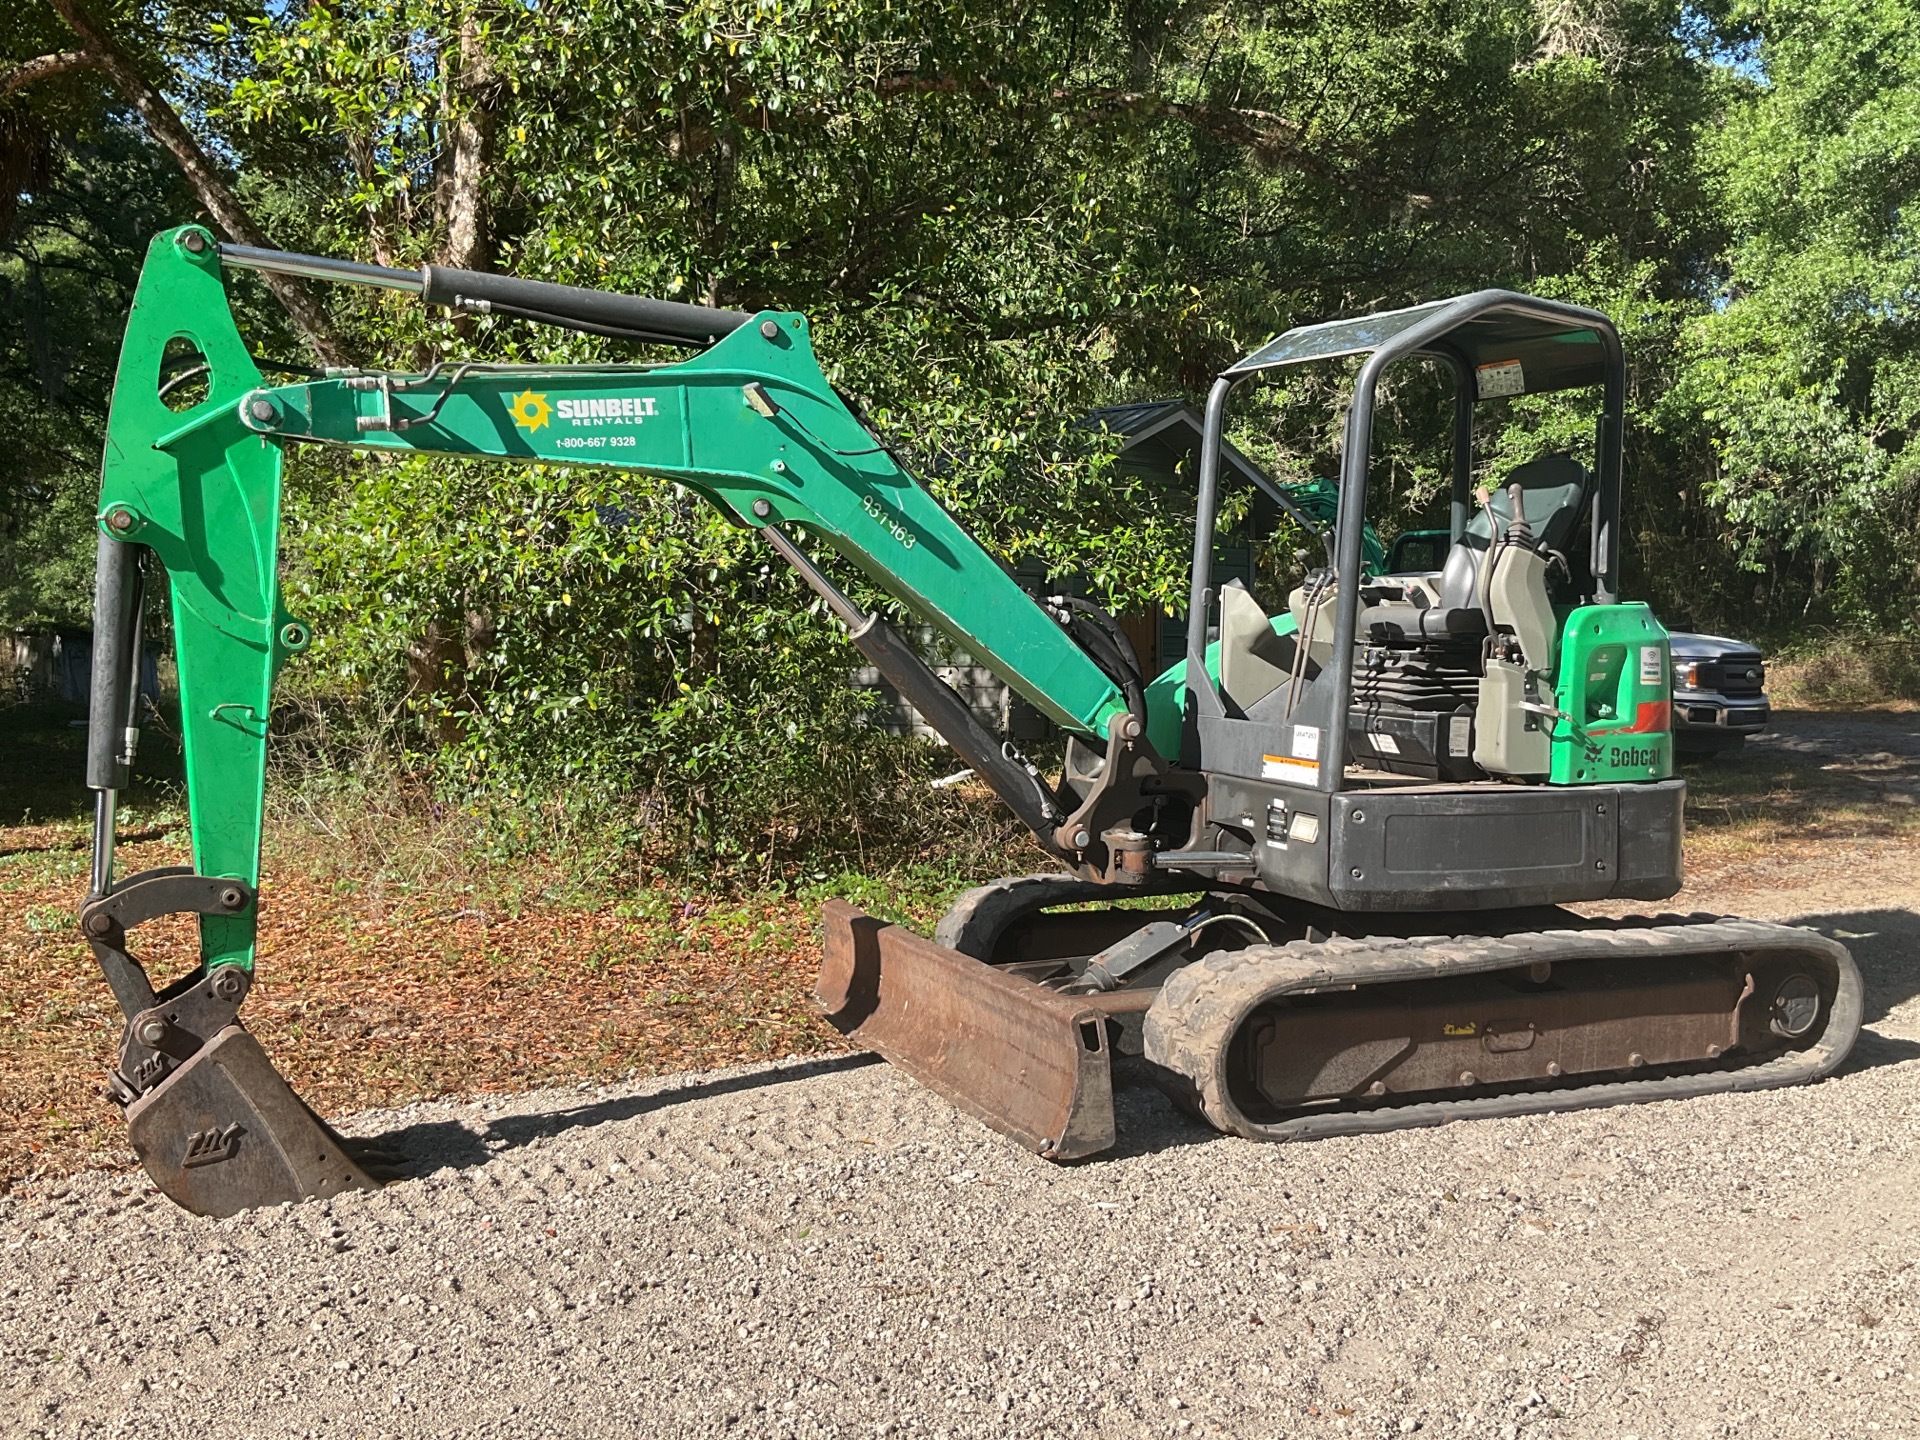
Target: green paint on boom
(751, 425)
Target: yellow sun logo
(530, 411)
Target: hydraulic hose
(1100, 635)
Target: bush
(570, 660)
(1847, 671)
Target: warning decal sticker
(1503, 377)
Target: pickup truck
(1719, 693)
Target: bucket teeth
(225, 1133)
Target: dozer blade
(224, 1133)
(1031, 1062)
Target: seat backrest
(1555, 490)
(1254, 662)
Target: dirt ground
(821, 1248)
(1813, 817)
(384, 980)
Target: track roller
(1348, 1036)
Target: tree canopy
(998, 216)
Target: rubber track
(1198, 1010)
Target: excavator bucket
(216, 1126)
(1030, 1062)
(224, 1133)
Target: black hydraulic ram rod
(113, 699)
(1015, 783)
(598, 312)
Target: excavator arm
(748, 422)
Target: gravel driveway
(826, 1250)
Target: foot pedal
(225, 1133)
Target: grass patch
(1781, 802)
(1847, 673)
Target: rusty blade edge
(1030, 1063)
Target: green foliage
(1805, 369)
(66, 275)
(998, 218)
(619, 650)
(85, 191)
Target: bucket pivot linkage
(217, 1128)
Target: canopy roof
(1513, 343)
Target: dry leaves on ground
(373, 1003)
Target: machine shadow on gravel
(436, 1145)
(1149, 1122)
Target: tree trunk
(472, 111)
(360, 152)
(213, 192)
(43, 67)
(469, 115)
(437, 671)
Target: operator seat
(1557, 489)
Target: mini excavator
(1312, 878)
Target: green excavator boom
(751, 425)
(749, 422)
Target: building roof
(1514, 343)
(1159, 434)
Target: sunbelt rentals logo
(530, 411)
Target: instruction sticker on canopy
(1502, 377)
